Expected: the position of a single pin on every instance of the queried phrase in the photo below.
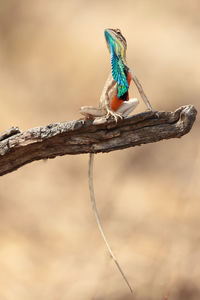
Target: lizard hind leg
(92, 112)
(127, 107)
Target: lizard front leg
(110, 88)
(104, 102)
(140, 89)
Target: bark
(99, 135)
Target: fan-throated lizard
(114, 102)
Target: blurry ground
(53, 59)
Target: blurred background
(53, 59)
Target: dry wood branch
(76, 137)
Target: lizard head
(116, 42)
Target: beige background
(53, 59)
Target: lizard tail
(94, 207)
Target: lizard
(114, 102)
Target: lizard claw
(111, 113)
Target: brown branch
(76, 137)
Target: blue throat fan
(119, 74)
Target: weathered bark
(76, 137)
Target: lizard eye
(118, 31)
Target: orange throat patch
(117, 102)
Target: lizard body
(114, 102)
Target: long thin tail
(91, 160)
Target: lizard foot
(111, 113)
(154, 111)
